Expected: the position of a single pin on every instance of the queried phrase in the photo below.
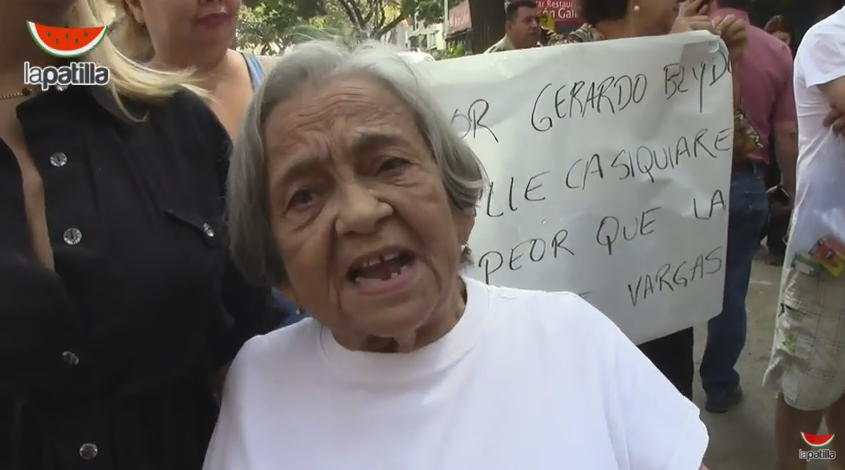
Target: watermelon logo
(66, 43)
(817, 440)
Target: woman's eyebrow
(302, 165)
(367, 141)
(363, 143)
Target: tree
(488, 23)
(303, 9)
(264, 28)
(276, 22)
(271, 25)
(373, 19)
(431, 11)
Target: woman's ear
(464, 223)
(134, 8)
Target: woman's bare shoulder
(267, 61)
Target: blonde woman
(186, 34)
(119, 303)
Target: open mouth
(214, 19)
(383, 267)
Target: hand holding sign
(685, 24)
(732, 31)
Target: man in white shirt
(807, 368)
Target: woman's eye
(393, 164)
(301, 198)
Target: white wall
(434, 33)
(398, 36)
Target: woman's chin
(394, 321)
(395, 307)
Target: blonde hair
(131, 37)
(128, 78)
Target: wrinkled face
(655, 17)
(524, 29)
(783, 36)
(369, 238)
(177, 24)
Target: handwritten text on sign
(609, 173)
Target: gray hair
(252, 244)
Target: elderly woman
(351, 192)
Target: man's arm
(785, 127)
(824, 67)
(786, 152)
(746, 139)
(834, 91)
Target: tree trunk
(488, 23)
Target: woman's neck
(440, 322)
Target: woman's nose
(360, 210)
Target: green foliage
(378, 17)
(271, 24)
(335, 23)
(457, 50)
(431, 11)
(266, 28)
(303, 9)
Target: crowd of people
(163, 236)
(794, 107)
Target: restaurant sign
(563, 12)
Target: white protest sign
(609, 168)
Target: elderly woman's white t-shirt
(526, 380)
